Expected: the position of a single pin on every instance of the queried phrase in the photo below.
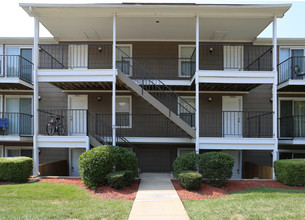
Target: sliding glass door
(18, 113)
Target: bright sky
(16, 23)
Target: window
(123, 59)
(291, 155)
(19, 152)
(185, 151)
(123, 111)
(187, 60)
(186, 109)
(292, 118)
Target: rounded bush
(185, 162)
(97, 163)
(291, 172)
(120, 179)
(216, 167)
(16, 169)
(190, 180)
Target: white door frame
(70, 158)
(240, 161)
(69, 106)
(240, 109)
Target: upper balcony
(15, 73)
(291, 74)
(91, 63)
(234, 67)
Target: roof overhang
(155, 21)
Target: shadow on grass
(268, 190)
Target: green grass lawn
(57, 201)
(257, 203)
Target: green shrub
(120, 179)
(97, 163)
(190, 180)
(16, 169)
(216, 167)
(185, 162)
(290, 172)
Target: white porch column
(36, 103)
(197, 84)
(114, 80)
(274, 92)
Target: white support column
(114, 81)
(274, 92)
(36, 103)
(197, 84)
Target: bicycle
(55, 125)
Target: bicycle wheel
(50, 129)
(60, 130)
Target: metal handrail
(259, 57)
(52, 57)
(148, 76)
(97, 121)
(20, 69)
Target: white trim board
(236, 77)
(237, 143)
(63, 141)
(16, 80)
(76, 75)
(291, 82)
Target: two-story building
(160, 79)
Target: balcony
(76, 66)
(291, 74)
(16, 72)
(219, 63)
(235, 129)
(292, 129)
(63, 128)
(16, 126)
(242, 67)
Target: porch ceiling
(83, 85)
(155, 21)
(14, 86)
(226, 87)
(292, 88)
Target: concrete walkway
(157, 199)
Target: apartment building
(159, 79)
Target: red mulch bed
(211, 192)
(103, 192)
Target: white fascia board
(62, 141)
(242, 77)
(159, 140)
(291, 82)
(297, 141)
(237, 143)
(104, 75)
(8, 80)
(15, 138)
